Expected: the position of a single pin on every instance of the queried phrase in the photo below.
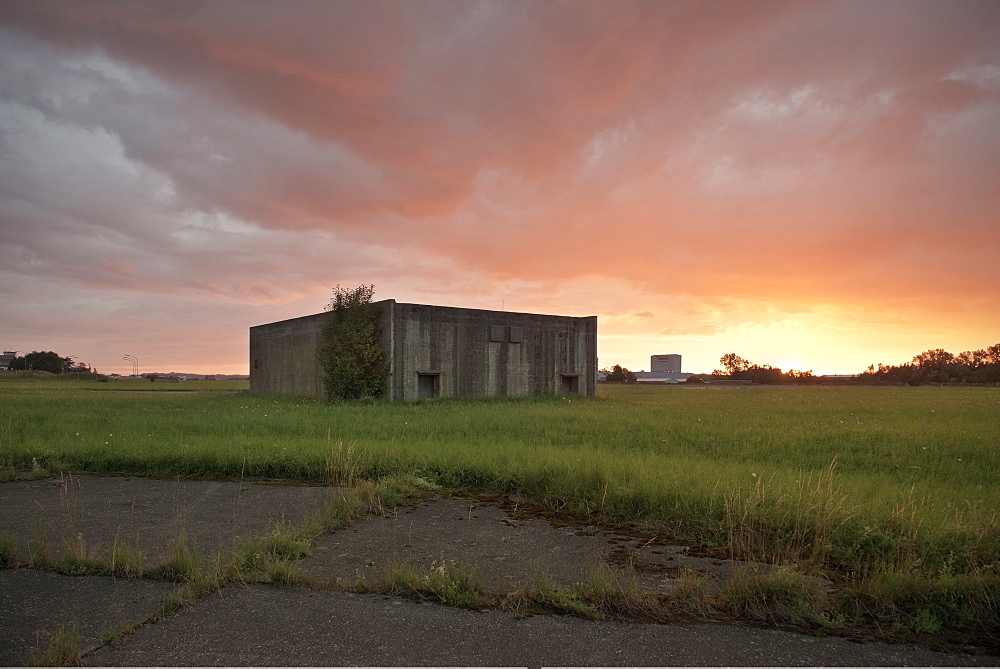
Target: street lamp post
(135, 363)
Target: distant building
(440, 352)
(670, 362)
(664, 368)
(7, 358)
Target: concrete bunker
(435, 351)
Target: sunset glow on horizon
(811, 185)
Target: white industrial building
(663, 368)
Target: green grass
(446, 582)
(61, 650)
(8, 550)
(849, 482)
(780, 595)
(544, 592)
(72, 382)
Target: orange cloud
(763, 170)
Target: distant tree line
(933, 366)
(939, 366)
(52, 363)
(741, 369)
(618, 374)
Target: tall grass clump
(62, 649)
(766, 523)
(543, 591)
(780, 595)
(901, 600)
(267, 558)
(445, 582)
(8, 550)
(74, 561)
(127, 559)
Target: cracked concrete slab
(290, 626)
(147, 512)
(33, 604)
(506, 549)
(271, 626)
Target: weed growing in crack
(284, 544)
(115, 634)
(265, 559)
(8, 550)
(453, 584)
(39, 550)
(176, 599)
(612, 591)
(183, 563)
(690, 595)
(282, 572)
(446, 582)
(400, 576)
(360, 584)
(127, 560)
(61, 650)
(112, 636)
(543, 591)
(74, 561)
(338, 513)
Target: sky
(811, 185)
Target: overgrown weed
(73, 561)
(765, 524)
(691, 596)
(780, 595)
(543, 591)
(902, 601)
(446, 582)
(39, 555)
(127, 559)
(8, 550)
(266, 558)
(62, 649)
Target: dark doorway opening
(427, 386)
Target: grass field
(874, 485)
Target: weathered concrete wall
(442, 352)
(477, 353)
(283, 357)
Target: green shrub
(353, 363)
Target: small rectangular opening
(570, 385)
(497, 332)
(427, 386)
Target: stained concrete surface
(33, 604)
(299, 626)
(148, 513)
(264, 625)
(507, 549)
